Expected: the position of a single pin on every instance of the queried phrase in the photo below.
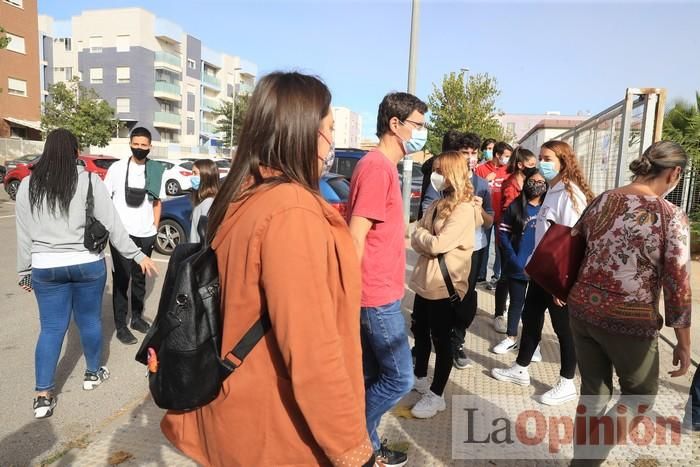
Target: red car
(19, 168)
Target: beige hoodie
(454, 237)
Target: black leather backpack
(183, 347)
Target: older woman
(637, 245)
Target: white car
(176, 177)
(224, 166)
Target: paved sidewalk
(134, 438)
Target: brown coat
(298, 399)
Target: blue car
(175, 218)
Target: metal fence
(606, 143)
(12, 148)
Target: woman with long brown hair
(447, 229)
(566, 199)
(281, 249)
(205, 186)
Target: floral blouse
(635, 246)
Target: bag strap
(90, 201)
(454, 296)
(256, 332)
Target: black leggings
(433, 318)
(537, 302)
(464, 315)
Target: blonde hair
(453, 166)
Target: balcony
(208, 128)
(211, 82)
(167, 91)
(166, 120)
(209, 105)
(168, 61)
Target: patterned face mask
(534, 188)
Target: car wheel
(170, 234)
(172, 188)
(12, 188)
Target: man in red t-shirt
(375, 216)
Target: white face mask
(505, 160)
(437, 181)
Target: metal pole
(407, 161)
(233, 108)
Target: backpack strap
(90, 200)
(247, 342)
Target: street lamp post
(233, 107)
(412, 58)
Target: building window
(68, 44)
(16, 87)
(190, 126)
(123, 43)
(69, 73)
(123, 105)
(95, 44)
(96, 75)
(123, 74)
(191, 64)
(17, 3)
(16, 44)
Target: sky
(547, 56)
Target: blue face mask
(195, 181)
(547, 170)
(488, 154)
(419, 136)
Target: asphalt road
(23, 439)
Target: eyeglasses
(418, 125)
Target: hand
(491, 177)
(558, 302)
(681, 358)
(478, 201)
(25, 282)
(148, 267)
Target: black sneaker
(461, 361)
(125, 336)
(386, 457)
(141, 325)
(43, 406)
(92, 380)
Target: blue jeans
(516, 290)
(59, 293)
(386, 360)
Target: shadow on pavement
(24, 445)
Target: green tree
(223, 121)
(80, 110)
(682, 125)
(4, 38)
(464, 105)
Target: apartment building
(518, 125)
(150, 70)
(348, 128)
(20, 98)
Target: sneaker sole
(90, 385)
(461, 367)
(510, 379)
(553, 403)
(424, 416)
(503, 352)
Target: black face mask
(139, 153)
(533, 190)
(529, 171)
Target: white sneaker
(421, 385)
(92, 380)
(516, 374)
(505, 346)
(563, 391)
(537, 356)
(429, 405)
(500, 324)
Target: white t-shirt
(138, 221)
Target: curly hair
(453, 166)
(570, 171)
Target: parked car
(175, 218)
(224, 165)
(19, 168)
(347, 159)
(176, 176)
(3, 171)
